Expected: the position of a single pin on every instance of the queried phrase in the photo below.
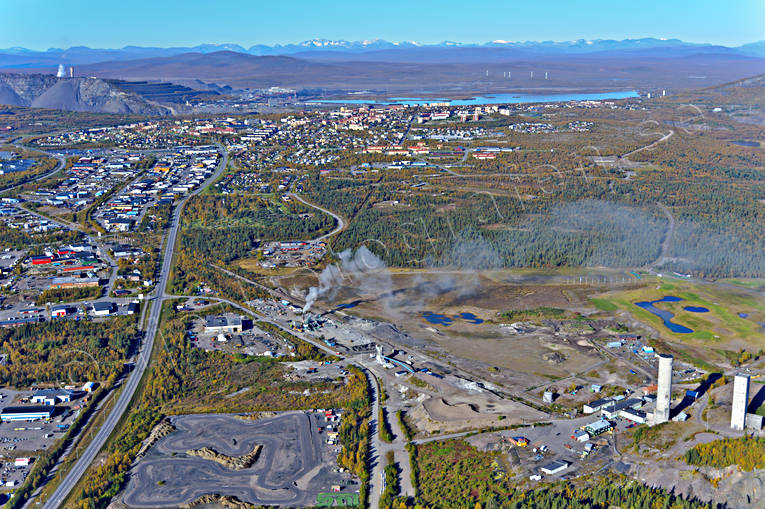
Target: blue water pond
(743, 315)
(665, 315)
(439, 319)
(696, 309)
(469, 317)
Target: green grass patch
(604, 304)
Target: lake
(439, 319)
(489, 99)
(665, 315)
(746, 143)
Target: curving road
(68, 483)
(650, 145)
(340, 221)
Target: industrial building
(633, 415)
(50, 397)
(664, 389)
(596, 405)
(754, 422)
(103, 308)
(613, 410)
(223, 324)
(740, 401)
(555, 467)
(26, 413)
(598, 427)
(73, 282)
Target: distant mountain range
(380, 50)
(159, 81)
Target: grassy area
(721, 325)
(604, 304)
(756, 284)
(253, 265)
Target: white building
(740, 401)
(664, 389)
(555, 467)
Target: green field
(721, 327)
(757, 284)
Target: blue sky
(41, 24)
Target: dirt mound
(73, 94)
(10, 97)
(440, 410)
(162, 429)
(554, 358)
(232, 462)
(257, 415)
(94, 95)
(219, 500)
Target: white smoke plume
(361, 269)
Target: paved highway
(56, 500)
(375, 458)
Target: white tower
(61, 71)
(379, 354)
(740, 401)
(664, 389)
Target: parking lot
(28, 439)
(252, 341)
(553, 442)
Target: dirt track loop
(289, 471)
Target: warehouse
(73, 282)
(223, 324)
(598, 427)
(51, 397)
(596, 405)
(26, 413)
(103, 308)
(630, 414)
(555, 467)
(611, 411)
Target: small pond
(665, 315)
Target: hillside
(73, 94)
